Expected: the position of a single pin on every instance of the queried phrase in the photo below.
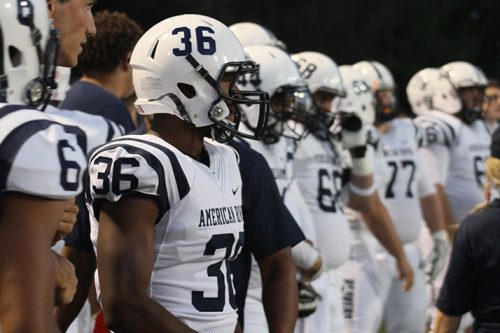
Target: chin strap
(469, 116)
(4, 84)
(494, 193)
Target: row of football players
(148, 194)
(429, 169)
(42, 157)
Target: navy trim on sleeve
(11, 145)
(180, 178)
(8, 109)
(111, 131)
(154, 163)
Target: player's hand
(65, 280)
(309, 299)
(435, 261)
(405, 274)
(68, 220)
(353, 133)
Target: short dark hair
(493, 83)
(116, 35)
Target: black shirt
(472, 282)
(90, 98)
(269, 226)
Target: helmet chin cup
(221, 134)
(469, 115)
(36, 92)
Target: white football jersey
(38, 156)
(96, 129)
(457, 153)
(279, 156)
(318, 171)
(201, 225)
(398, 174)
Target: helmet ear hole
(187, 90)
(15, 56)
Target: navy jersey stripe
(8, 109)
(180, 178)
(154, 163)
(442, 125)
(418, 135)
(11, 145)
(111, 131)
(81, 136)
(439, 125)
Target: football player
(41, 165)
(320, 168)
(457, 138)
(403, 188)
(166, 206)
(457, 143)
(289, 97)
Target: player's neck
(179, 133)
(111, 83)
(383, 127)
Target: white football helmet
(280, 78)
(250, 34)
(420, 89)
(456, 80)
(29, 48)
(320, 72)
(359, 99)
(188, 65)
(383, 88)
(323, 78)
(463, 75)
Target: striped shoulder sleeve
(437, 130)
(133, 165)
(39, 156)
(97, 129)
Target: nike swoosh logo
(235, 190)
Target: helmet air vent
(187, 90)
(153, 52)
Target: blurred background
(404, 35)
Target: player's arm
(125, 248)
(279, 291)
(436, 159)
(68, 220)
(361, 185)
(84, 263)
(445, 324)
(65, 278)
(27, 226)
(449, 220)
(379, 222)
(78, 249)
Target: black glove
(350, 122)
(308, 299)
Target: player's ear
(51, 4)
(125, 62)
